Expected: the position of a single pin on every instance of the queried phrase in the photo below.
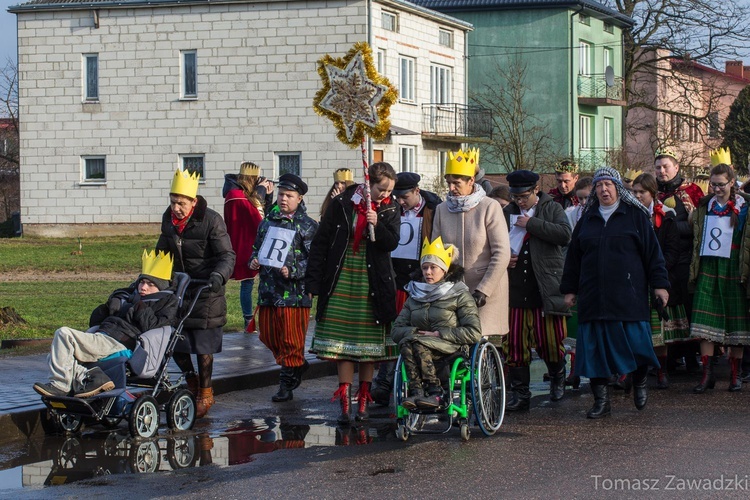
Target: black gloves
(215, 281)
(479, 298)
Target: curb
(32, 421)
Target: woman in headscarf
(613, 262)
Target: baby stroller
(473, 384)
(142, 384)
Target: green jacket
(454, 315)
(698, 221)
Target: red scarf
(361, 210)
(179, 224)
(658, 215)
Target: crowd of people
(622, 274)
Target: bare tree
(520, 140)
(9, 141)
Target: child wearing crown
(439, 317)
(146, 304)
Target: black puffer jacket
(329, 247)
(126, 315)
(203, 248)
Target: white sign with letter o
(409, 245)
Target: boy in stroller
(150, 302)
(439, 317)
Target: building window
(406, 78)
(609, 133)
(584, 19)
(445, 38)
(94, 169)
(440, 84)
(389, 21)
(189, 70)
(380, 60)
(442, 160)
(609, 57)
(91, 77)
(584, 58)
(194, 163)
(713, 125)
(609, 27)
(289, 163)
(584, 132)
(407, 157)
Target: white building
(115, 95)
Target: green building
(572, 55)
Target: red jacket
(242, 220)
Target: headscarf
(623, 194)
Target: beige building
(700, 98)
(114, 96)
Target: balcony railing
(456, 122)
(591, 159)
(593, 90)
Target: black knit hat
(160, 283)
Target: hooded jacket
(454, 315)
(329, 247)
(203, 248)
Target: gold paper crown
(249, 168)
(719, 156)
(742, 179)
(566, 167)
(437, 249)
(703, 184)
(666, 152)
(702, 173)
(631, 174)
(185, 183)
(157, 265)
(462, 163)
(343, 175)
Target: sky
(8, 32)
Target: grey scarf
(458, 204)
(430, 292)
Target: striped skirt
(348, 331)
(676, 329)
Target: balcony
(594, 91)
(591, 159)
(456, 123)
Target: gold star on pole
(354, 96)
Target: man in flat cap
(417, 211)
(281, 252)
(539, 231)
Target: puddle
(62, 460)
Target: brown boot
(192, 383)
(204, 401)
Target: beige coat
(481, 235)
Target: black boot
(640, 389)
(286, 383)
(600, 389)
(707, 380)
(520, 377)
(298, 372)
(557, 380)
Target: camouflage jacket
(274, 289)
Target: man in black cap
(539, 231)
(417, 211)
(280, 252)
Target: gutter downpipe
(574, 90)
(369, 42)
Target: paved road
(680, 441)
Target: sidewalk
(244, 363)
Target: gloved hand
(215, 281)
(479, 298)
(113, 305)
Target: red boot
(707, 380)
(344, 394)
(735, 383)
(662, 382)
(364, 398)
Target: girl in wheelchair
(439, 317)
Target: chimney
(735, 68)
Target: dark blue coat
(610, 266)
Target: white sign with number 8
(717, 237)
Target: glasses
(523, 197)
(720, 185)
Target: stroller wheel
(144, 417)
(181, 411)
(70, 423)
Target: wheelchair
(473, 387)
(142, 383)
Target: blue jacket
(610, 266)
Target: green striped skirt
(676, 329)
(347, 331)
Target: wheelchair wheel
(181, 411)
(70, 423)
(144, 417)
(465, 431)
(487, 387)
(413, 421)
(402, 433)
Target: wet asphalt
(681, 446)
